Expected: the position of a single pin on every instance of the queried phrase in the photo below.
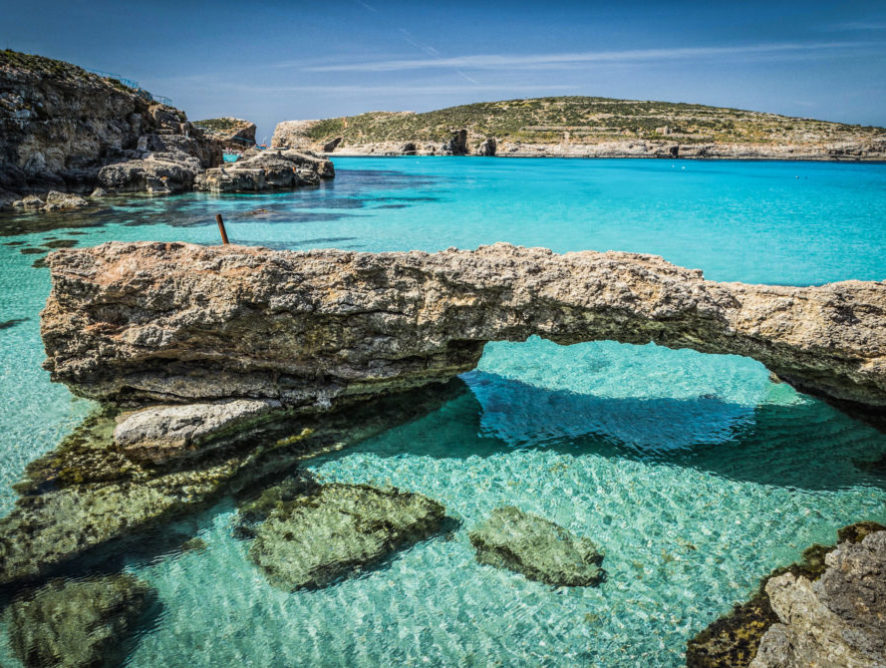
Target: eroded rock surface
(838, 620)
(760, 632)
(538, 548)
(60, 125)
(76, 622)
(174, 322)
(314, 539)
(160, 433)
(90, 491)
(267, 170)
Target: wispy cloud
(559, 60)
(858, 25)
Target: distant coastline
(586, 127)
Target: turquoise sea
(695, 474)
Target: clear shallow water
(694, 473)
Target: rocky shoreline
(827, 610)
(65, 129)
(849, 152)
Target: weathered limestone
(160, 433)
(836, 621)
(316, 538)
(61, 125)
(180, 323)
(76, 622)
(825, 610)
(537, 548)
(233, 134)
(267, 170)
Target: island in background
(586, 127)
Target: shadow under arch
(806, 444)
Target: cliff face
(586, 127)
(59, 125)
(185, 323)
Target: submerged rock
(537, 548)
(267, 170)
(734, 640)
(174, 322)
(88, 493)
(77, 623)
(312, 540)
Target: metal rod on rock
(221, 228)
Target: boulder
(267, 170)
(77, 622)
(56, 201)
(336, 530)
(735, 640)
(29, 203)
(537, 548)
(158, 434)
(158, 173)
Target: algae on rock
(76, 622)
(312, 540)
(732, 641)
(538, 548)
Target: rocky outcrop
(55, 201)
(457, 144)
(487, 147)
(294, 135)
(182, 323)
(158, 434)
(537, 548)
(60, 125)
(838, 620)
(234, 135)
(754, 633)
(267, 170)
(77, 623)
(335, 530)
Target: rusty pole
(221, 228)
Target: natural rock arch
(176, 322)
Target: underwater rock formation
(181, 323)
(267, 170)
(734, 640)
(76, 622)
(537, 548)
(312, 540)
(90, 492)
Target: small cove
(694, 473)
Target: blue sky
(272, 61)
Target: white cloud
(559, 60)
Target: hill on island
(579, 121)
